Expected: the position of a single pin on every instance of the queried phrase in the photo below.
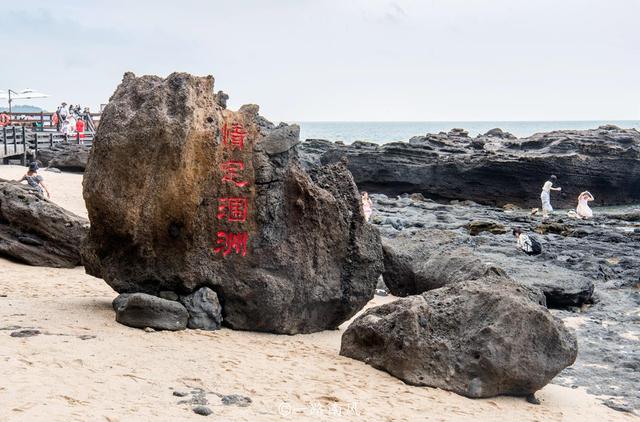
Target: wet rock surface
(436, 339)
(309, 262)
(495, 168)
(35, 231)
(579, 257)
(140, 310)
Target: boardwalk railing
(17, 141)
(43, 119)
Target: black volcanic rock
(417, 263)
(35, 231)
(140, 310)
(65, 156)
(497, 169)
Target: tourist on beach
(34, 180)
(545, 196)
(583, 210)
(528, 244)
(367, 206)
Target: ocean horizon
(383, 132)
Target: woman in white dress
(545, 196)
(583, 209)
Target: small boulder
(205, 312)
(202, 410)
(478, 338)
(140, 310)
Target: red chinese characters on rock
(234, 136)
(231, 173)
(232, 242)
(232, 209)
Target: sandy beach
(84, 366)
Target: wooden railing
(17, 141)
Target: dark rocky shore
(434, 234)
(496, 168)
(589, 271)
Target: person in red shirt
(80, 129)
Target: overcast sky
(344, 59)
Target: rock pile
(36, 231)
(183, 193)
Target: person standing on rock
(367, 206)
(545, 196)
(527, 244)
(34, 180)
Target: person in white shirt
(545, 196)
(63, 112)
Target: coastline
(393, 131)
(84, 363)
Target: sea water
(382, 132)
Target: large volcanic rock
(36, 231)
(166, 185)
(479, 338)
(497, 170)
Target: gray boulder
(478, 338)
(413, 267)
(35, 231)
(140, 310)
(205, 312)
(65, 156)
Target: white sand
(125, 374)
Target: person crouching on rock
(583, 210)
(528, 244)
(367, 206)
(545, 196)
(34, 180)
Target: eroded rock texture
(36, 231)
(497, 170)
(65, 156)
(478, 338)
(166, 165)
(416, 263)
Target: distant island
(22, 109)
